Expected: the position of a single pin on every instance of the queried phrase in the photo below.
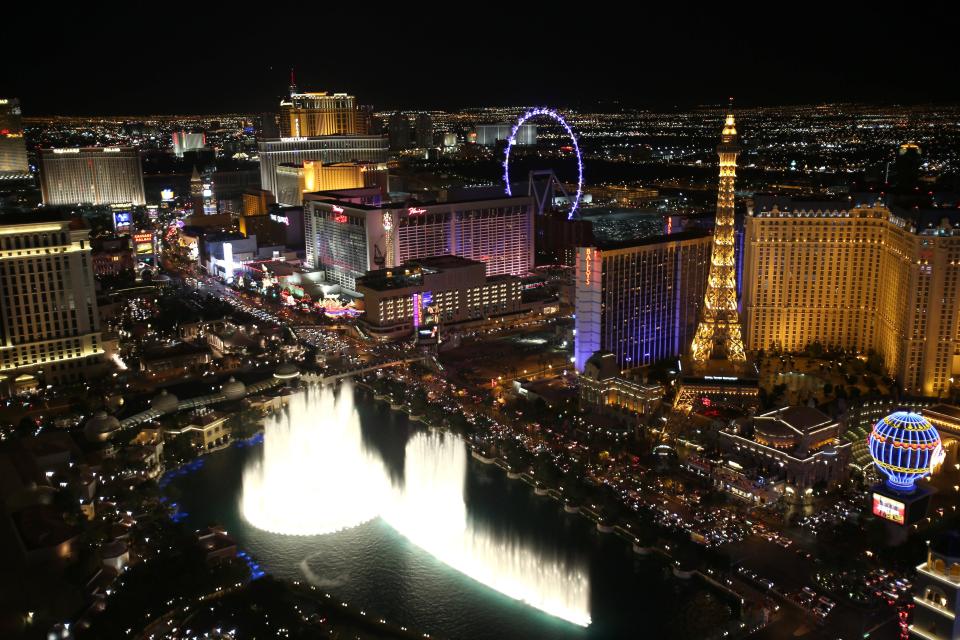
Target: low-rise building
(603, 385)
(937, 591)
(217, 543)
(440, 291)
(800, 445)
(207, 428)
(180, 357)
(112, 257)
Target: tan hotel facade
(855, 277)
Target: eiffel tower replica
(717, 366)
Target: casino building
(49, 324)
(640, 300)
(330, 149)
(798, 445)
(295, 180)
(349, 236)
(13, 146)
(446, 291)
(860, 276)
(92, 175)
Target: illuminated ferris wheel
(512, 140)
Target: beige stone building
(860, 278)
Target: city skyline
(497, 326)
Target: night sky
(180, 62)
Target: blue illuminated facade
(640, 300)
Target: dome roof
(234, 389)
(776, 432)
(100, 427)
(905, 447)
(164, 402)
(286, 371)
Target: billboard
(425, 317)
(143, 242)
(122, 220)
(889, 509)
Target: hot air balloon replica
(905, 448)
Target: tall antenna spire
(293, 82)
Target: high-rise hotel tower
(640, 300)
(49, 326)
(718, 334)
(317, 127)
(859, 276)
(91, 175)
(13, 147)
(318, 114)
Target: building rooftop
(692, 234)
(42, 526)
(411, 205)
(410, 274)
(800, 419)
(947, 410)
(279, 268)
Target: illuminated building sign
(121, 220)
(416, 211)
(143, 243)
(66, 150)
(387, 221)
(281, 219)
(889, 509)
(166, 195)
(417, 310)
(589, 254)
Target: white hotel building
(347, 238)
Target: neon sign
(417, 301)
(416, 211)
(888, 509)
(338, 214)
(589, 254)
(281, 219)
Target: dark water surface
(373, 567)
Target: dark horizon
(229, 65)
